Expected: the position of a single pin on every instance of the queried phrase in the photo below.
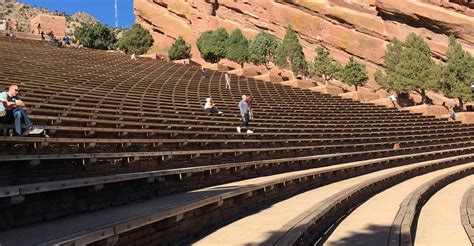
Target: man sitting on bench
(11, 111)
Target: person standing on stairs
(227, 80)
(244, 113)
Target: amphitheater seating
(132, 157)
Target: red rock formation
(359, 28)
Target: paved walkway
(257, 228)
(370, 223)
(440, 222)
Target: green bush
(179, 50)
(238, 48)
(97, 36)
(213, 45)
(137, 40)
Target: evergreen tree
(179, 50)
(262, 49)
(381, 79)
(213, 45)
(323, 66)
(415, 71)
(97, 36)
(137, 40)
(391, 59)
(458, 73)
(290, 53)
(354, 73)
(238, 48)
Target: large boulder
(327, 89)
(361, 95)
(433, 110)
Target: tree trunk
(461, 104)
(242, 65)
(356, 87)
(422, 92)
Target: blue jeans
(19, 117)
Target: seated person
(452, 113)
(66, 40)
(393, 98)
(11, 111)
(428, 101)
(211, 107)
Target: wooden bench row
(181, 209)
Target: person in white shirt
(210, 107)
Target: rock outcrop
(359, 28)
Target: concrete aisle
(440, 221)
(370, 223)
(258, 227)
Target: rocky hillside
(359, 28)
(22, 13)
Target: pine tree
(213, 45)
(415, 71)
(354, 73)
(238, 48)
(323, 66)
(458, 73)
(179, 50)
(391, 59)
(290, 53)
(262, 49)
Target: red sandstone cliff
(359, 28)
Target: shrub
(213, 45)
(97, 36)
(179, 50)
(137, 40)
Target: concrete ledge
(403, 229)
(467, 213)
(312, 225)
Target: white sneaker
(238, 129)
(249, 131)
(35, 131)
(220, 112)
